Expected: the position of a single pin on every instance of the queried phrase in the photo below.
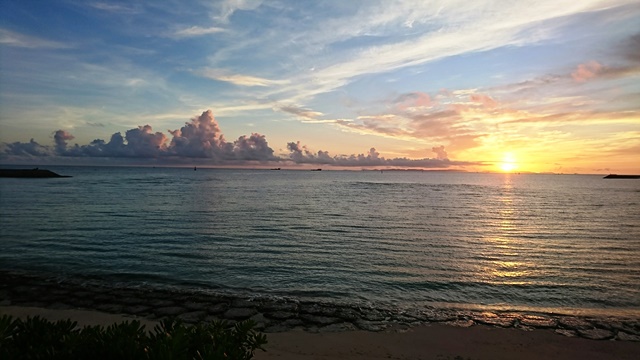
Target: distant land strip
(616, 176)
(29, 173)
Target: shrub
(37, 338)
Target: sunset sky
(540, 86)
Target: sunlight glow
(508, 163)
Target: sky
(511, 86)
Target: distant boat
(616, 176)
(195, 168)
(316, 170)
(275, 169)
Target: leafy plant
(37, 338)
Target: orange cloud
(587, 71)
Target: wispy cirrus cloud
(237, 79)
(11, 38)
(195, 31)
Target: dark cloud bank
(202, 141)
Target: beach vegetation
(38, 338)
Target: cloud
(30, 149)
(300, 154)
(10, 38)
(201, 138)
(301, 112)
(197, 31)
(413, 99)
(114, 8)
(441, 154)
(60, 138)
(587, 71)
(238, 79)
(229, 7)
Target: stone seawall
(278, 315)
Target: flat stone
(131, 301)
(348, 314)
(293, 322)
(242, 303)
(374, 315)
(195, 305)
(218, 308)
(574, 323)
(321, 320)
(538, 321)
(339, 327)
(136, 309)
(374, 326)
(281, 315)
(566, 332)
(110, 308)
(160, 303)
(489, 318)
(596, 334)
(193, 316)
(461, 323)
(317, 309)
(623, 336)
(169, 311)
(239, 313)
(261, 321)
(279, 306)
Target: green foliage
(37, 338)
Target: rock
(193, 316)
(461, 323)
(169, 311)
(374, 315)
(242, 303)
(596, 334)
(370, 325)
(537, 321)
(131, 301)
(161, 303)
(276, 329)
(321, 320)
(281, 315)
(339, 327)
(574, 323)
(136, 309)
(218, 308)
(623, 336)
(489, 318)
(260, 320)
(239, 313)
(566, 332)
(279, 306)
(293, 323)
(194, 305)
(110, 308)
(317, 309)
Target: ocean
(404, 239)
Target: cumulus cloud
(60, 138)
(300, 154)
(30, 149)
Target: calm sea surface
(567, 243)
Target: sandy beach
(435, 341)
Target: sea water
(407, 239)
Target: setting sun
(508, 163)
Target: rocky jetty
(616, 176)
(278, 315)
(29, 173)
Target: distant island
(616, 176)
(29, 173)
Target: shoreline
(427, 341)
(285, 315)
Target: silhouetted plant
(37, 338)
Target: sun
(508, 163)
